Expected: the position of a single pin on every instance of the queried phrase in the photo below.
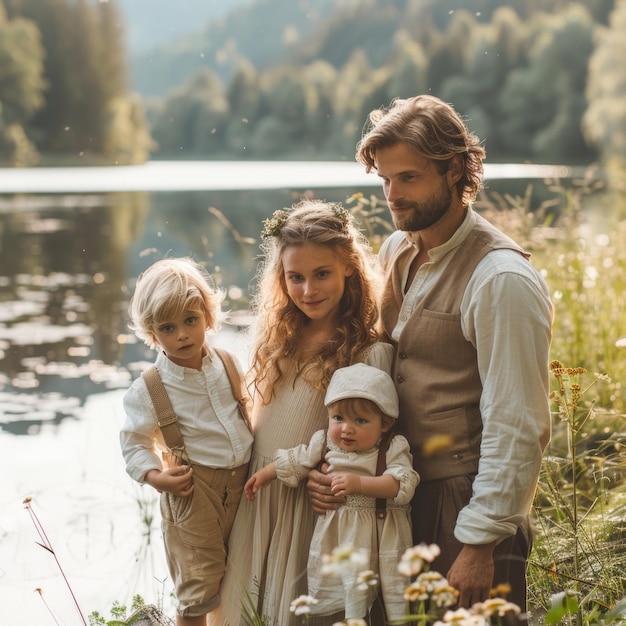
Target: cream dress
(269, 543)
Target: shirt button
(403, 318)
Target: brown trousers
(434, 511)
(196, 530)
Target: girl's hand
(345, 484)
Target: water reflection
(68, 269)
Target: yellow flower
(437, 444)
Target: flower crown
(273, 225)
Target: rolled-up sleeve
(507, 315)
(140, 437)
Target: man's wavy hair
(280, 321)
(431, 128)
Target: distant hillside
(262, 31)
(150, 23)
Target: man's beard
(424, 214)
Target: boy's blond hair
(166, 289)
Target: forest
(540, 80)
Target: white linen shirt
(506, 314)
(208, 417)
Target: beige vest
(435, 368)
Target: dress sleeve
(294, 464)
(400, 466)
(380, 355)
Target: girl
(362, 405)
(317, 311)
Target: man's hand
(472, 573)
(320, 493)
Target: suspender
(381, 466)
(167, 419)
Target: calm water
(71, 246)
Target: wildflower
(500, 591)
(344, 559)
(495, 606)
(413, 559)
(302, 605)
(366, 579)
(462, 617)
(415, 592)
(431, 579)
(437, 444)
(272, 225)
(444, 596)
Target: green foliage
(605, 119)
(21, 87)
(580, 552)
(519, 71)
(73, 48)
(121, 615)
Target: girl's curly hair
(280, 321)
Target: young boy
(172, 308)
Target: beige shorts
(195, 531)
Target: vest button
(399, 379)
(402, 355)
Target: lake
(72, 242)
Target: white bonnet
(364, 381)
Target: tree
(84, 70)
(540, 104)
(21, 87)
(193, 117)
(604, 121)
(245, 105)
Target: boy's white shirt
(208, 417)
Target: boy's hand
(175, 480)
(345, 484)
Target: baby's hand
(251, 487)
(345, 484)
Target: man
(471, 322)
